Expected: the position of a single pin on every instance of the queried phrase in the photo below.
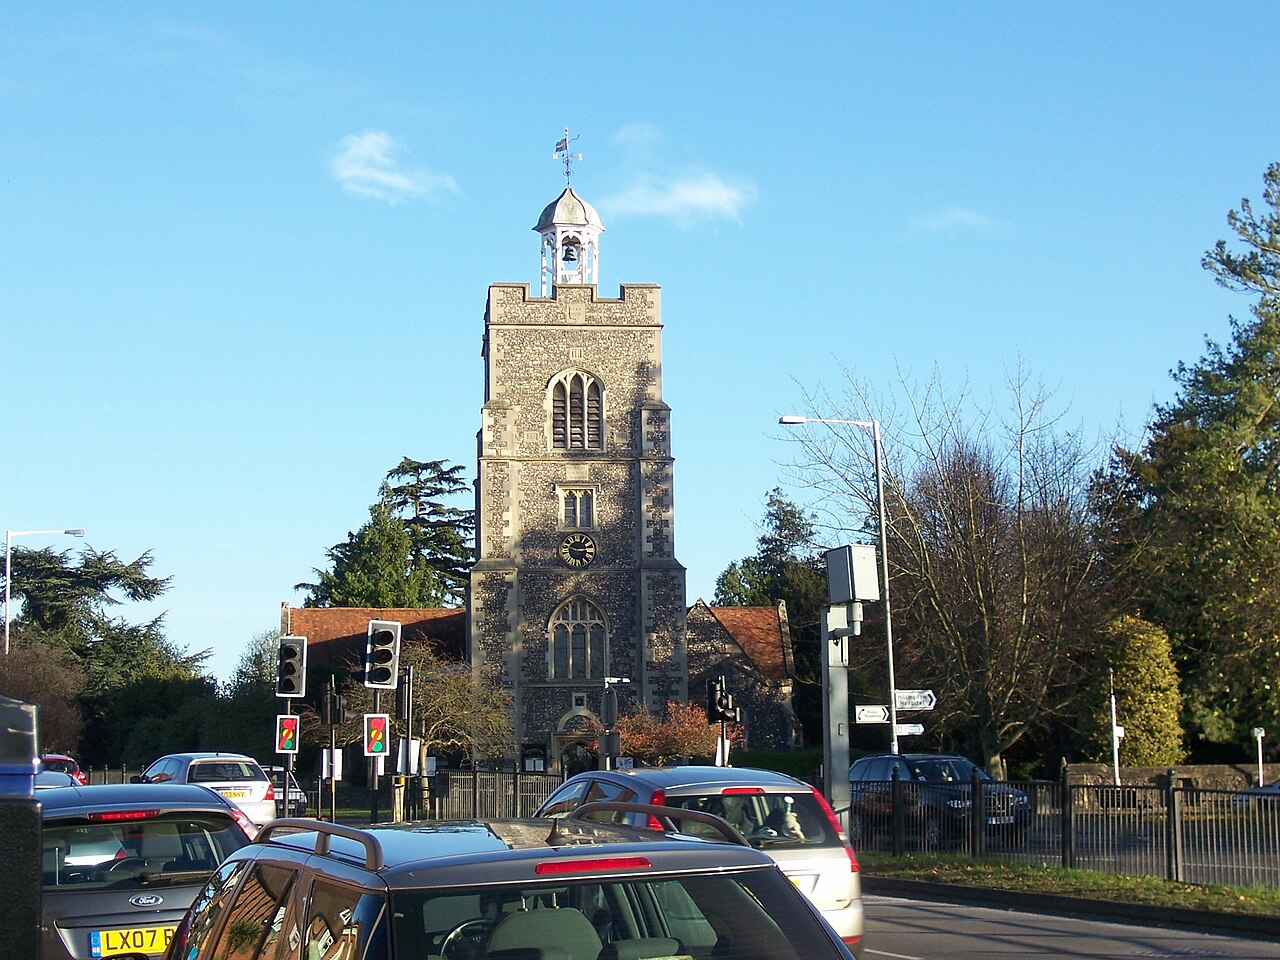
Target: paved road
(915, 930)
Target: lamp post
(874, 427)
(8, 569)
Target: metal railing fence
(1175, 831)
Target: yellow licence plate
(111, 943)
(234, 794)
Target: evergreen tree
(411, 553)
(1136, 660)
(1195, 543)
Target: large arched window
(577, 412)
(577, 642)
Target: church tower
(576, 582)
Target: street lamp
(8, 569)
(874, 427)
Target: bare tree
(991, 554)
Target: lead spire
(562, 154)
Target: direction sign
(910, 729)
(915, 699)
(866, 713)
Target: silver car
(238, 778)
(785, 818)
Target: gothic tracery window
(578, 509)
(577, 642)
(577, 412)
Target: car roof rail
(373, 858)
(667, 816)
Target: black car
(936, 800)
(566, 888)
(122, 862)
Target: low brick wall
(1226, 776)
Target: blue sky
(245, 248)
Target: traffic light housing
(291, 671)
(377, 734)
(287, 733)
(720, 705)
(382, 655)
(333, 708)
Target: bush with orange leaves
(684, 732)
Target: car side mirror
(138, 778)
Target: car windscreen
(60, 766)
(946, 770)
(123, 850)
(750, 914)
(766, 819)
(224, 771)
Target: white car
(238, 778)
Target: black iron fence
(1176, 831)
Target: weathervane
(562, 154)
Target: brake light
(852, 941)
(270, 794)
(592, 865)
(659, 799)
(113, 815)
(244, 823)
(835, 825)
(740, 791)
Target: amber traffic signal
(287, 734)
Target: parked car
(937, 801)
(64, 764)
(500, 890)
(788, 819)
(235, 776)
(122, 862)
(1260, 798)
(296, 805)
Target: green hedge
(803, 764)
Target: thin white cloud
(953, 218)
(634, 134)
(369, 164)
(687, 201)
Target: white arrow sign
(915, 699)
(910, 729)
(870, 714)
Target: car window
(206, 910)
(255, 926)
(565, 800)
(135, 854)
(343, 923)
(161, 770)
(224, 771)
(766, 819)
(735, 916)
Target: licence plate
(234, 794)
(110, 943)
(999, 820)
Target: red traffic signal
(377, 733)
(287, 734)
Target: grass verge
(1120, 888)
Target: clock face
(577, 550)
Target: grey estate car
(783, 817)
(238, 778)
(533, 889)
(121, 863)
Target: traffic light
(382, 655)
(333, 707)
(291, 674)
(377, 731)
(720, 705)
(287, 733)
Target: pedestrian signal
(287, 734)
(377, 730)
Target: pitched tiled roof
(336, 635)
(763, 635)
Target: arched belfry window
(577, 642)
(577, 412)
